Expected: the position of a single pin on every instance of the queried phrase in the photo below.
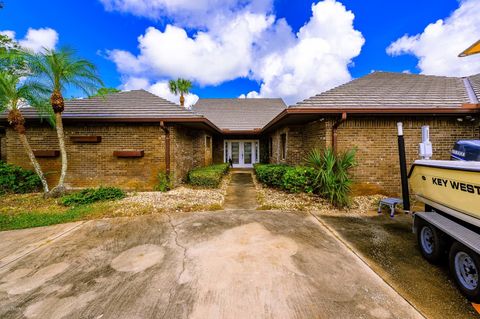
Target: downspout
(167, 148)
(334, 130)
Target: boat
(452, 187)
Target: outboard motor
(466, 150)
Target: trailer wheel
(430, 241)
(465, 267)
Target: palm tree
(15, 93)
(180, 86)
(60, 70)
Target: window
(283, 146)
(208, 142)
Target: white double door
(242, 153)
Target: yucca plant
(332, 179)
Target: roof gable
(240, 114)
(395, 90)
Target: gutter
(334, 130)
(167, 148)
(462, 109)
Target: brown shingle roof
(129, 105)
(395, 90)
(240, 114)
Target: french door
(242, 153)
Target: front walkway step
(241, 193)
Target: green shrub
(271, 174)
(299, 179)
(91, 195)
(14, 179)
(332, 179)
(164, 184)
(209, 176)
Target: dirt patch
(138, 258)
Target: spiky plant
(60, 70)
(14, 94)
(180, 86)
(332, 179)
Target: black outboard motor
(466, 150)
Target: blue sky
(107, 31)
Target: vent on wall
(85, 139)
(46, 153)
(129, 154)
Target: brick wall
(300, 140)
(189, 151)
(376, 143)
(93, 165)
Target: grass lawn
(32, 210)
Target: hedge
(294, 179)
(271, 174)
(14, 179)
(209, 176)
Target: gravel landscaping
(273, 199)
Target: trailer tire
(430, 241)
(465, 267)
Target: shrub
(332, 179)
(164, 184)
(14, 179)
(271, 174)
(92, 195)
(299, 179)
(209, 176)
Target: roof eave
(464, 109)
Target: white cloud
(317, 60)
(159, 88)
(36, 39)
(189, 12)
(249, 45)
(208, 58)
(438, 46)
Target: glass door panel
(236, 152)
(247, 152)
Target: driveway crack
(184, 249)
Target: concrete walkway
(241, 193)
(230, 264)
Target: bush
(332, 179)
(14, 179)
(299, 179)
(271, 174)
(209, 176)
(164, 184)
(92, 195)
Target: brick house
(126, 139)
(363, 113)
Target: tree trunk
(33, 160)
(182, 99)
(63, 152)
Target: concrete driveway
(229, 264)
